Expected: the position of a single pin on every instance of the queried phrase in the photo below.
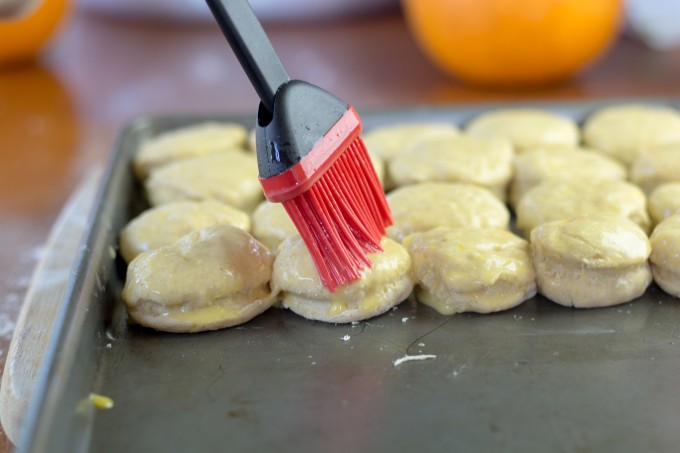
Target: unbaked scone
(386, 284)
(564, 164)
(271, 224)
(379, 166)
(187, 142)
(252, 141)
(388, 141)
(555, 200)
(471, 270)
(525, 128)
(655, 167)
(665, 257)
(624, 131)
(231, 178)
(480, 161)
(423, 207)
(209, 279)
(664, 201)
(166, 223)
(594, 261)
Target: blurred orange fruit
(513, 42)
(22, 36)
(39, 131)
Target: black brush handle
(251, 46)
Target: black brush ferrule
(301, 116)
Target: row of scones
(210, 252)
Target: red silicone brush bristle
(342, 217)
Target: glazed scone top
(454, 159)
(623, 131)
(294, 272)
(165, 224)
(525, 128)
(666, 243)
(532, 168)
(271, 224)
(378, 165)
(596, 241)
(422, 207)
(555, 200)
(657, 166)
(200, 268)
(231, 178)
(470, 259)
(568, 162)
(387, 141)
(664, 201)
(186, 142)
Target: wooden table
(59, 117)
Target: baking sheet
(539, 377)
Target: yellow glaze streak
(337, 306)
(101, 402)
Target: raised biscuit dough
(423, 207)
(211, 278)
(525, 128)
(231, 178)
(379, 166)
(656, 167)
(664, 201)
(187, 142)
(471, 270)
(166, 223)
(665, 257)
(555, 200)
(252, 141)
(564, 164)
(386, 284)
(271, 224)
(480, 161)
(592, 261)
(625, 131)
(385, 142)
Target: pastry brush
(310, 155)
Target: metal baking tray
(539, 377)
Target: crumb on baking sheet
(409, 358)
